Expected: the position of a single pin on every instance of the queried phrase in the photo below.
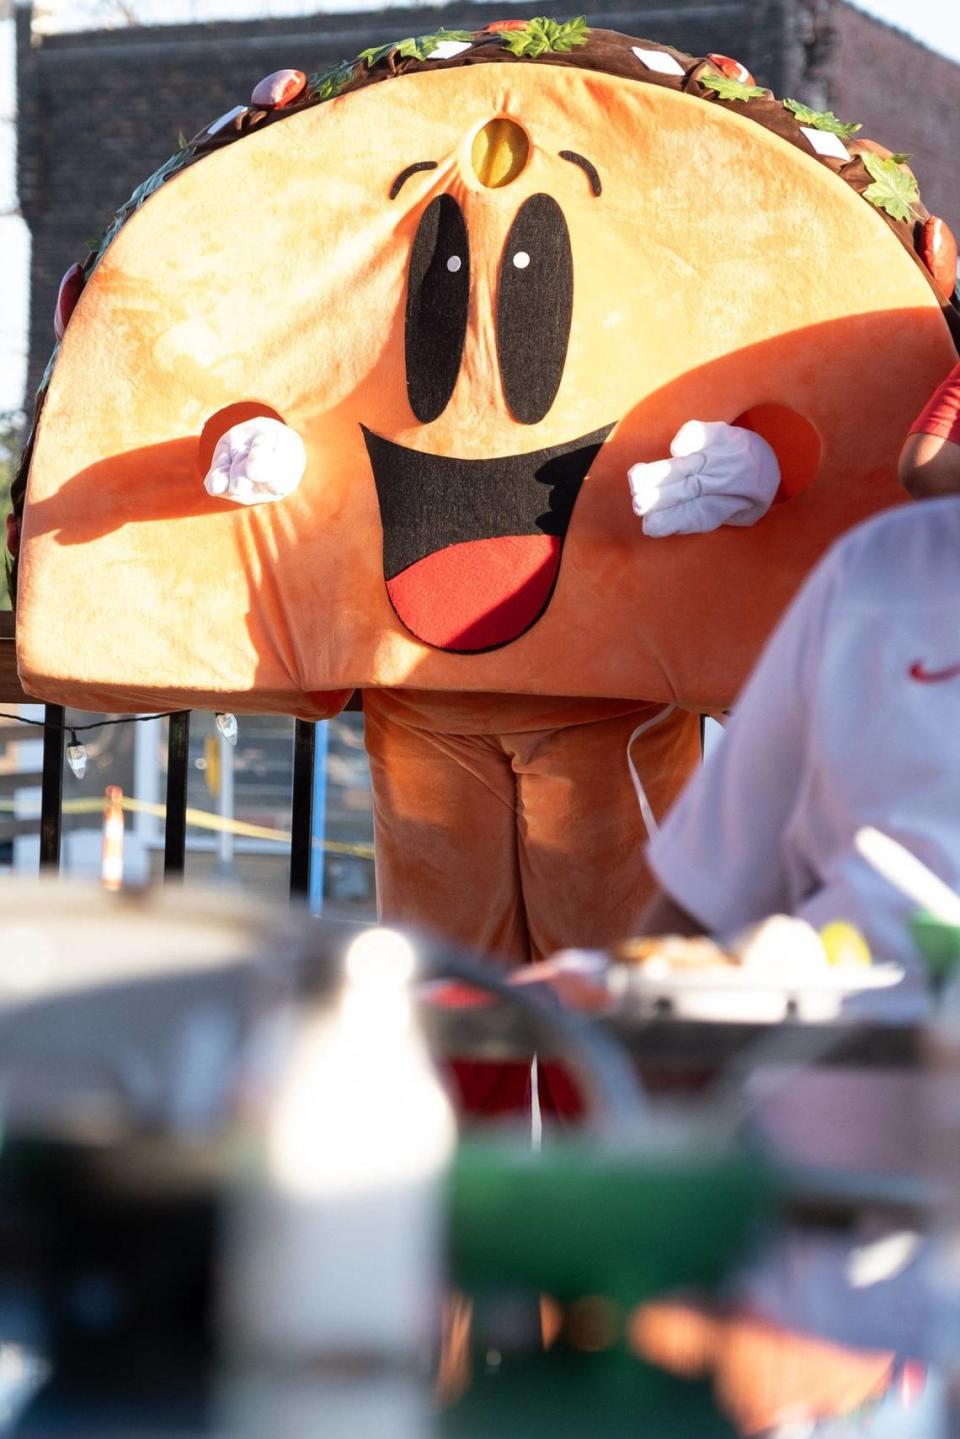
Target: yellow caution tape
(203, 819)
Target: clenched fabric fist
(255, 462)
(719, 475)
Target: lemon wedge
(843, 944)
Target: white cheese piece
(225, 120)
(657, 60)
(447, 49)
(826, 144)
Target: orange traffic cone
(111, 867)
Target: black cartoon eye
(534, 306)
(438, 290)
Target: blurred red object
(71, 288)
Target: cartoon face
(478, 295)
(472, 546)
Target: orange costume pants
(509, 823)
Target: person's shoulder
(910, 552)
(923, 519)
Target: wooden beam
(11, 691)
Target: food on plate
(665, 954)
(844, 944)
(779, 948)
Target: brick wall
(100, 111)
(904, 96)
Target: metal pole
(51, 792)
(225, 842)
(304, 748)
(175, 831)
(319, 827)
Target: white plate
(728, 993)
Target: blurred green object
(565, 1395)
(588, 1216)
(939, 943)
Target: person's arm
(930, 467)
(721, 857)
(930, 458)
(764, 1375)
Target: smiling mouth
(472, 548)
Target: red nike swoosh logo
(920, 672)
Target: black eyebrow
(404, 175)
(589, 170)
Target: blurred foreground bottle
(334, 1237)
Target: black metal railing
(175, 822)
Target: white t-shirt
(851, 717)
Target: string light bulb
(76, 756)
(228, 727)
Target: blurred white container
(333, 1250)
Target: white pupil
(454, 263)
(521, 259)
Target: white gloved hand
(719, 475)
(255, 462)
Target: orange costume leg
(446, 854)
(510, 824)
(584, 877)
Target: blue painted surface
(318, 834)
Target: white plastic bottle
(333, 1251)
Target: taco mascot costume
(348, 395)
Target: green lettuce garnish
(415, 47)
(328, 84)
(727, 89)
(540, 36)
(893, 189)
(821, 120)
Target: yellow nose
(500, 151)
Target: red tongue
(479, 594)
